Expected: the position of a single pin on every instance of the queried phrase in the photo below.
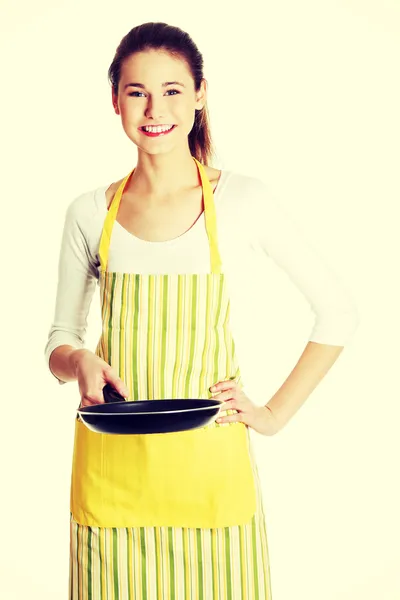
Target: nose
(155, 108)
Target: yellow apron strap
(209, 212)
(211, 219)
(109, 223)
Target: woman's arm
(77, 276)
(336, 315)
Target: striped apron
(167, 336)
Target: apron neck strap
(209, 213)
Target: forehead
(154, 66)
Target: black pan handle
(110, 394)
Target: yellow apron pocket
(200, 478)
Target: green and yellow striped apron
(139, 528)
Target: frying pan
(119, 416)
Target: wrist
(273, 415)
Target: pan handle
(110, 394)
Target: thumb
(119, 385)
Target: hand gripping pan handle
(111, 395)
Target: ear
(114, 100)
(201, 95)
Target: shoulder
(213, 175)
(242, 192)
(87, 206)
(84, 218)
(236, 178)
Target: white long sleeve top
(248, 220)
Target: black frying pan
(118, 416)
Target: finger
(86, 402)
(92, 399)
(223, 385)
(237, 417)
(225, 396)
(229, 404)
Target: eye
(132, 93)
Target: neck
(164, 175)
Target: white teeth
(157, 129)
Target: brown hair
(179, 44)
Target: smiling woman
(176, 515)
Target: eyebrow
(140, 85)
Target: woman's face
(146, 96)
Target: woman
(140, 529)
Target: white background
(304, 95)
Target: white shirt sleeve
(77, 278)
(281, 238)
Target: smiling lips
(157, 131)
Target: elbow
(337, 328)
